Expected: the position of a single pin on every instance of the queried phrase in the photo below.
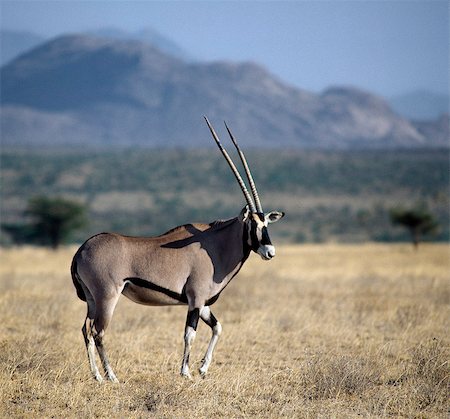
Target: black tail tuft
(76, 279)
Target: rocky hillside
(83, 90)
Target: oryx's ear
(245, 212)
(273, 216)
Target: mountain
(146, 35)
(82, 90)
(14, 43)
(421, 105)
(437, 129)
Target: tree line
(53, 220)
(342, 196)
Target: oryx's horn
(244, 189)
(247, 171)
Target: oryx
(190, 264)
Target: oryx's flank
(191, 264)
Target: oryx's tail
(76, 279)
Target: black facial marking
(260, 216)
(253, 237)
(192, 318)
(265, 240)
(245, 244)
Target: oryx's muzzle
(266, 251)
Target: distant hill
(437, 129)
(83, 90)
(421, 105)
(146, 35)
(14, 43)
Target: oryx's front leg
(189, 335)
(216, 328)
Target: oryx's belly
(145, 292)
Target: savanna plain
(322, 330)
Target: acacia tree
(419, 222)
(54, 219)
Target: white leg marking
(189, 337)
(216, 331)
(98, 340)
(91, 354)
(90, 347)
(110, 374)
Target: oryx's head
(253, 216)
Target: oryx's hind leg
(207, 316)
(88, 336)
(104, 310)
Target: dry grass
(320, 331)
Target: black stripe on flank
(139, 282)
(213, 299)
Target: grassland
(321, 331)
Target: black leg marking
(192, 318)
(212, 321)
(189, 336)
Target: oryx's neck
(230, 237)
(219, 247)
(227, 248)
(225, 241)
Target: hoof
(113, 379)
(98, 378)
(186, 374)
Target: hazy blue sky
(388, 47)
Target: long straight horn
(247, 171)
(244, 189)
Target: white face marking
(259, 234)
(266, 251)
(259, 226)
